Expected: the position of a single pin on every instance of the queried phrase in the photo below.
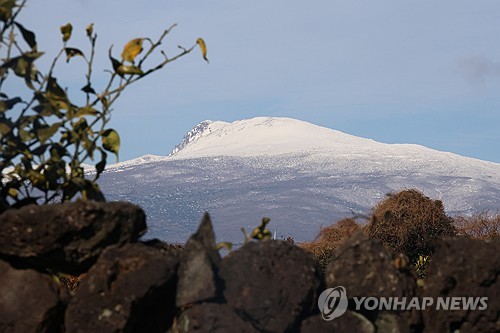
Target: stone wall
(269, 286)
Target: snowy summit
(263, 136)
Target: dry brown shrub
(409, 222)
(72, 282)
(329, 240)
(480, 226)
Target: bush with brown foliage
(480, 226)
(330, 238)
(71, 282)
(409, 222)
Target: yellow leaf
(13, 192)
(90, 29)
(224, 245)
(132, 49)
(203, 48)
(66, 31)
(130, 70)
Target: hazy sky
(424, 72)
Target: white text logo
(333, 303)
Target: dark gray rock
(198, 270)
(29, 301)
(365, 268)
(273, 283)
(173, 249)
(211, 317)
(129, 289)
(68, 237)
(462, 267)
(350, 321)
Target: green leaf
(102, 164)
(89, 145)
(40, 150)
(224, 245)
(9, 103)
(28, 36)
(56, 95)
(23, 66)
(46, 109)
(25, 135)
(66, 31)
(121, 69)
(6, 7)
(92, 191)
(54, 174)
(57, 152)
(72, 52)
(5, 126)
(36, 178)
(77, 172)
(88, 89)
(128, 70)
(114, 62)
(81, 128)
(71, 188)
(44, 133)
(86, 111)
(111, 141)
(55, 89)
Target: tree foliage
(45, 135)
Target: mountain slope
(301, 175)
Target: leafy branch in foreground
(45, 136)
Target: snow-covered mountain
(300, 175)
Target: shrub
(329, 240)
(409, 222)
(46, 132)
(71, 282)
(480, 226)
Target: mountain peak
(261, 136)
(194, 134)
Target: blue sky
(424, 72)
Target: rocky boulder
(211, 317)
(198, 270)
(68, 237)
(130, 289)
(272, 283)
(464, 271)
(29, 301)
(365, 268)
(350, 321)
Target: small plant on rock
(421, 266)
(261, 233)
